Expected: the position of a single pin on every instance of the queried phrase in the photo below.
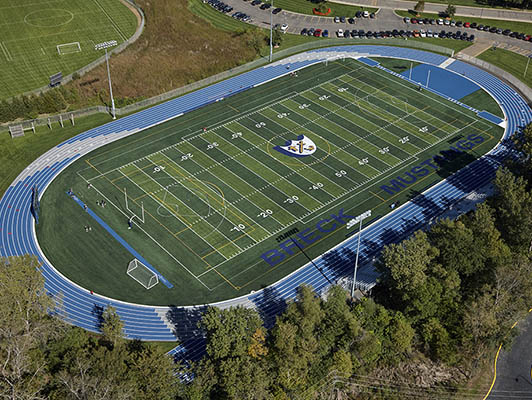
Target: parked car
(446, 22)
(459, 24)
(473, 25)
(325, 33)
(406, 19)
(493, 29)
(340, 33)
(351, 20)
(347, 33)
(310, 32)
(336, 20)
(256, 2)
(416, 33)
(365, 14)
(265, 6)
(317, 33)
(506, 32)
(499, 31)
(358, 14)
(304, 31)
(439, 21)
(467, 24)
(277, 10)
(342, 20)
(372, 15)
(413, 21)
(471, 38)
(480, 27)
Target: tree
(112, 327)
(277, 37)
(450, 10)
(25, 328)
(420, 6)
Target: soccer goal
(142, 274)
(68, 48)
(140, 215)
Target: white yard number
(265, 213)
(364, 161)
(340, 173)
(316, 186)
(324, 97)
(260, 124)
(236, 135)
(303, 106)
(159, 168)
(384, 150)
(282, 115)
(403, 140)
(186, 156)
(425, 129)
(342, 89)
(238, 228)
(291, 200)
(212, 145)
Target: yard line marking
(6, 51)
(113, 23)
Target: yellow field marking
(154, 218)
(376, 195)
(169, 207)
(181, 231)
(230, 106)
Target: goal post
(134, 215)
(68, 48)
(142, 274)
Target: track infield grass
(31, 31)
(217, 194)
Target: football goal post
(142, 274)
(68, 48)
(134, 215)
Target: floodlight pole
(411, 67)
(526, 68)
(271, 32)
(106, 45)
(360, 218)
(428, 77)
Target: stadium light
(101, 46)
(271, 32)
(351, 223)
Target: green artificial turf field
(219, 194)
(31, 31)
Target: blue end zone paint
(490, 117)
(367, 61)
(123, 242)
(443, 81)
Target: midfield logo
(301, 147)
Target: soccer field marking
(113, 23)
(5, 51)
(107, 199)
(215, 228)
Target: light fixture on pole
(271, 32)
(102, 46)
(351, 223)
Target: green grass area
(481, 100)
(513, 25)
(306, 6)
(511, 62)
(216, 200)
(395, 64)
(31, 33)
(17, 153)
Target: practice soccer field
(30, 32)
(240, 193)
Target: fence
(515, 82)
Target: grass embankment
(306, 6)
(511, 62)
(517, 26)
(17, 153)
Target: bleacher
(83, 309)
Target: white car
(422, 33)
(439, 21)
(429, 33)
(336, 19)
(284, 28)
(340, 33)
(366, 14)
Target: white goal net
(68, 48)
(142, 274)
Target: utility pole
(106, 45)
(351, 223)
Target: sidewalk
(465, 11)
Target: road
(385, 20)
(514, 368)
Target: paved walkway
(479, 12)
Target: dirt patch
(176, 48)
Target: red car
(528, 38)
(317, 32)
(413, 21)
(467, 24)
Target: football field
(232, 197)
(39, 38)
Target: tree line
(446, 298)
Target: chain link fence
(224, 75)
(514, 81)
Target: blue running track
(81, 308)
